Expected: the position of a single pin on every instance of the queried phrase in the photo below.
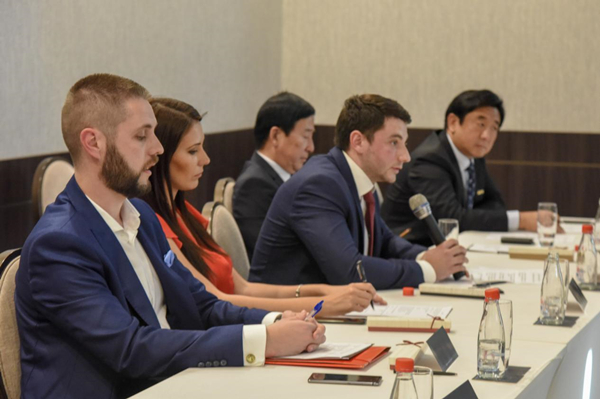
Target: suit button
(216, 363)
(250, 358)
(223, 363)
(201, 364)
(208, 364)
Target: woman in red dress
(180, 167)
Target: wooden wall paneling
(527, 168)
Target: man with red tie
(326, 217)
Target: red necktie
(370, 218)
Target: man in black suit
(449, 169)
(283, 134)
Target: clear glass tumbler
(547, 223)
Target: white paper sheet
(408, 311)
(489, 249)
(331, 351)
(517, 276)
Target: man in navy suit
(104, 309)
(283, 133)
(326, 217)
(449, 169)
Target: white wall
(541, 56)
(227, 56)
(223, 56)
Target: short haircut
(468, 101)
(366, 113)
(96, 101)
(282, 110)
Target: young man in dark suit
(449, 169)
(326, 218)
(104, 308)
(283, 133)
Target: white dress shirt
(285, 176)
(254, 337)
(365, 185)
(463, 165)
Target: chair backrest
(50, 179)
(10, 360)
(225, 231)
(224, 192)
(228, 197)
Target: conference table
(563, 360)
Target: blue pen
(314, 312)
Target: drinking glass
(547, 222)
(449, 228)
(564, 268)
(506, 311)
(423, 377)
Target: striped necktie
(471, 185)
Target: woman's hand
(354, 297)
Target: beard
(119, 177)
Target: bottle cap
(408, 291)
(492, 294)
(405, 365)
(587, 229)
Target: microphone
(422, 210)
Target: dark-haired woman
(180, 167)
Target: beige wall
(223, 56)
(227, 56)
(541, 56)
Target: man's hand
(528, 220)
(354, 297)
(291, 336)
(447, 258)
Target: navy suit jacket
(433, 172)
(252, 195)
(313, 233)
(86, 325)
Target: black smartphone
(347, 379)
(517, 240)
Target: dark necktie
(370, 218)
(471, 185)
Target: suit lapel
(180, 307)
(344, 169)
(130, 283)
(267, 168)
(456, 172)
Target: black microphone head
(420, 206)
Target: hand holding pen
(363, 276)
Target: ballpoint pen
(314, 312)
(362, 276)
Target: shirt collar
(362, 181)
(129, 215)
(285, 176)
(462, 159)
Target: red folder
(359, 361)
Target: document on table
(516, 276)
(489, 249)
(331, 351)
(407, 311)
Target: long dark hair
(174, 120)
